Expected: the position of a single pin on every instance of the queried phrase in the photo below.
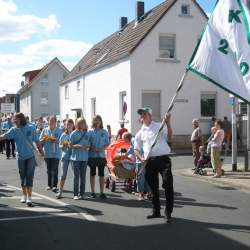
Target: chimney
(139, 10)
(123, 22)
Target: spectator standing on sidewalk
(158, 161)
(196, 140)
(216, 146)
(227, 126)
(50, 139)
(24, 136)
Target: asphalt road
(206, 216)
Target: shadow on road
(69, 233)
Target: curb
(218, 182)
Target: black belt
(158, 157)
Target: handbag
(38, 157)
(80, 138)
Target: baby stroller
(205, 160)
(121, 167)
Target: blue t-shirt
(24, 150)
(51, 150)
(31, 124)
(7, 125)
(66, 151)
(98, 139)
(77, 153)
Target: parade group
(72, 143)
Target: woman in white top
(216, 148)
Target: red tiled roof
(123, 42)
(32, 74)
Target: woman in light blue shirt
(79, 142)
(24, 136)
(99, 140)
(66, 154)
(50, 139)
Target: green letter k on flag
(222, 55)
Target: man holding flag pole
(222, 57)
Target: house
(39, 95)
(141, 64)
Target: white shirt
(220, 137)
(145, 138)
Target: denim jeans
(64, 168)
(26, 171)
(52, 171)
(79, 168)
(142, 185)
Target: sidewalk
(239, 179)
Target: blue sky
(34, 31)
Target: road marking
(17, 198)
(39, 217)
(3, 188)
(32, 209)
(61, 203)
(88, 217)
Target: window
(185, 10)
(123, 105)
(93, 106)
(78, 85)
(44, 80)
(243, 108)
(66, 91)
(44, 98)
(166, 46)
(208, 105)
(152, 99)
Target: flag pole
(170, 107)
(234, 136)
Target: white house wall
(149, 73)
(75, 100)
(105, 85)
(25, 101)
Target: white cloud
(58, 47)
(16, 27)
(35, 56)
(6, 7)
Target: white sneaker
(76, 198)
(48, 188)
(59, 195)
(29, 202)
(23, 200)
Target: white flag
(222, 55)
